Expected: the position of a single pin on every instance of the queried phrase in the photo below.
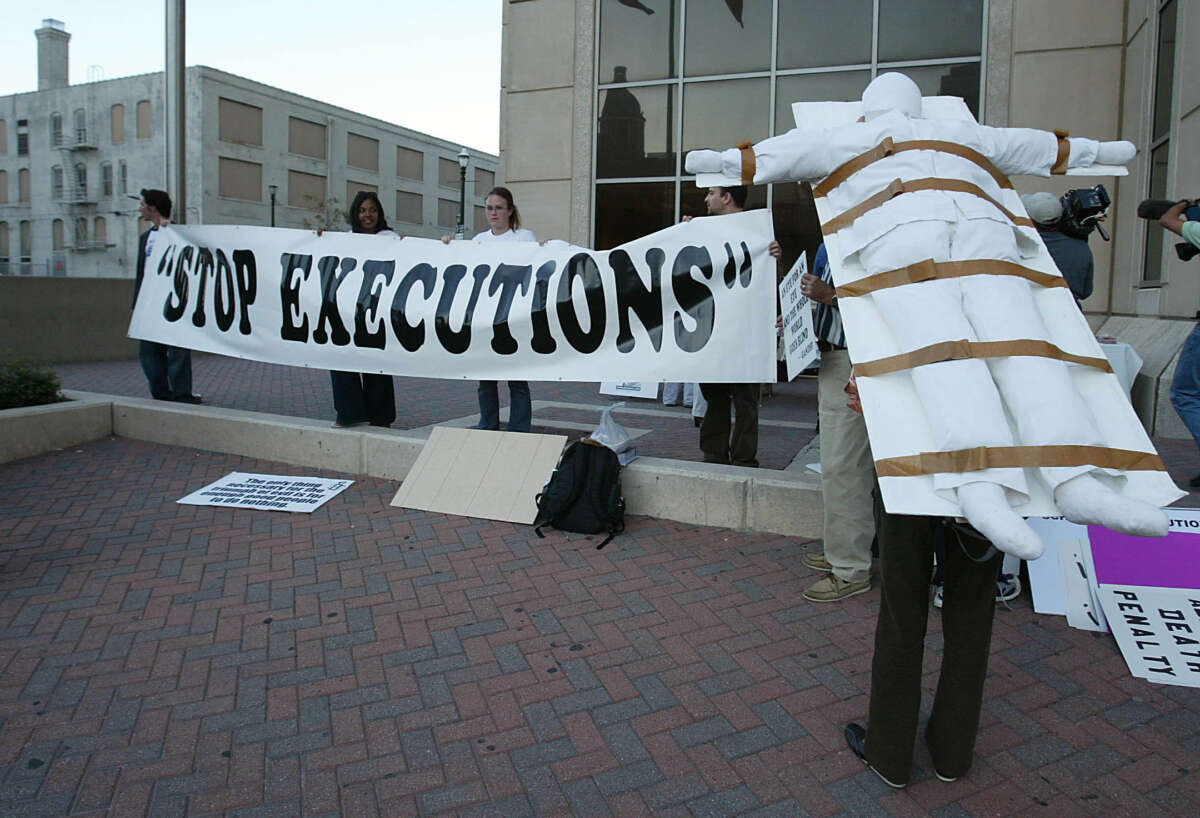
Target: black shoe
(856, 738)
(188, 399)
(1195, 482)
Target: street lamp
(272, 188)
(463, 159)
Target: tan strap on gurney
(1017, 457)
(887, 147)
(898, 187)
(928, 270)
(964, 350)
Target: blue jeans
(168, 369)
(520, 407)
(1185, 388)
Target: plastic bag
(610, 433)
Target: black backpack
(584, 493)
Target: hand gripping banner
(693, 302)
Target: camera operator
(1177, 220)
(1071, 255)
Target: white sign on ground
(1063, 579)
(271, 492)
(630, 389)
(693, 302)
(799, 341)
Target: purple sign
(1170, 562)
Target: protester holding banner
(365, 397)
(718, 442)
(505, 222)
(168, 368)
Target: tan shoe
(816, 561)
(831, 588)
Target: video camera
(1082, 210)
(1155, 208)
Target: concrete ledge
(34, 430)
(776, 502)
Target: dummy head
(891, 92)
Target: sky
(432, 67)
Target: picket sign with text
(1150, 591)
(693, 302)
(799, 340)
(267, 492)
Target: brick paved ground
(300, 392)
(167, 660)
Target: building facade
(602, 99)
(72, 156)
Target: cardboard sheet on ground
(1150, 590)
(799, 340)
(477, 473)
(896, 422)
(270, 492)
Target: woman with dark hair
(365, 397)
(505, 225)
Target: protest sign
(1063, 579)
(1150, 590)
(272, 492)
(693, 302)
(799, 342)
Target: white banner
(694, 302)
(799, 340)
(269, 492)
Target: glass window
(1164, 76)
(830, 33)
(305, 190)
(100, 231)
(106, 180)
(22, 137)
(485, 180)
(409, 207)
(306, 138)
(638, 40)
(81, 182)
(3, 187)
(727, 37)
(1152, 268)
(56, 130)
(447, 213)
(3, 138)
(4, 242)
(58, 240)
(929, 29)
(353, 189)
(239, 180)
(630, 210)
(23, 185)
(410, 164)
(239, 123)
(56, 183)
(838, 86)
(80, 126)
(481, 222)
(26, 230)
(448, 172)
(122, 178)
(961, 80)
(720, 114)
(117, 123)
(362, 152)
(143, 119)
(691, 199)
(635, 135)
(797, 226)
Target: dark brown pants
(719, 445)
(906, 546)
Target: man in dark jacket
(168, 369)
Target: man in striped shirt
(847, 471)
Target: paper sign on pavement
(272, 492)
(630, 389)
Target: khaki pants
(847, 473)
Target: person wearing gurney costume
(949, 211)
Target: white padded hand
(702, 162)
(985, 507)
(1115, 153)
(1085, 500)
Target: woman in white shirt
(365, 397)
(505, 225)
